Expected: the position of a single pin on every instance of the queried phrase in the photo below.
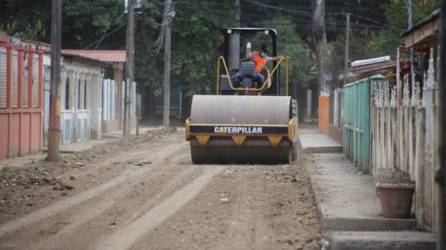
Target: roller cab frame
(253, 125)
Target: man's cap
(264, 48)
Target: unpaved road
(150, 196)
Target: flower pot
(395, 198)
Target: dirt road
(150, 196)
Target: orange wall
(324, 113)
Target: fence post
(419, 167)
(429, 144)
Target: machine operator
(260, 58)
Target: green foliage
(384, 42)
(85, 22)
(24, 18)
(196, 39)
(290, 44)
(6, 169)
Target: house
(80, 98)
(112, 86)
(91, 95)
(21, 101)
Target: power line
(109, 24)
(307, 13)
(300, 18)
(374, 21)
(105, 36)
(288, 10)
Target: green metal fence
(356, 121)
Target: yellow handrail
(286, 71)
(265, 85)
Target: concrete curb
(322, 150)
(406, 240)
(367, 224)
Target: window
(85, 94)
(79, 94)
(67, 94)
(3, 73)
(35, 82)
(15, 80)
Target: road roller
(246, 122)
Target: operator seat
(247, 70)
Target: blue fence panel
(356, 123)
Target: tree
(86, 23)
(384, 42)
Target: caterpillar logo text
(238, 130)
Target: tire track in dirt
(91, 218)
(156, 156)
(245, 207)
(247, 227)
(125, 237)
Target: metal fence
(21, 87)
(356, 122)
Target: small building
(91, 95)
(113, 90)
(21, 102)
(80, 98)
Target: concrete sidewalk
(313, 142)
(119, 134)
(348, 206)
(70, 148)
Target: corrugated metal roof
(107, 56)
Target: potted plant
(395, 191)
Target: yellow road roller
(246, 121)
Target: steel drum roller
(212, 110)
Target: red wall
(20, 124)
(336, 133)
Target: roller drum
(241, 110)
(245, 111)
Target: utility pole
(320, 36)
(347, 47)
(238, 10)
(54, 116)
(411, 55)
(169, 14)
(129, 65)
(441, 171)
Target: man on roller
(260, 58)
